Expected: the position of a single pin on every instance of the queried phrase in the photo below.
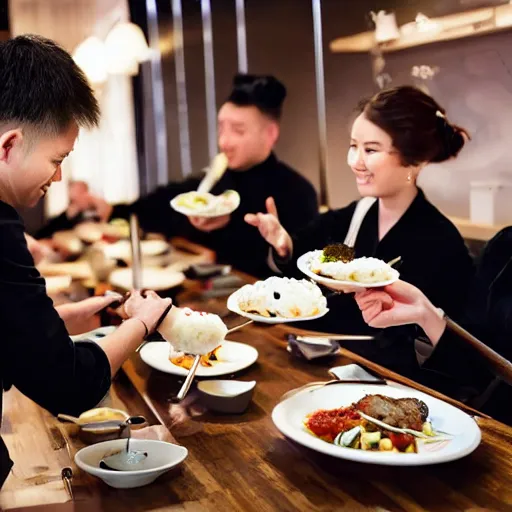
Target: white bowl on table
(161, 458)
(227, 396)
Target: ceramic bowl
(161, 458)
(228, 396)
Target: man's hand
(208, 224)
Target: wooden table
(242, 462)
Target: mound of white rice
(360, 270)
(282, 297)
(193, 332)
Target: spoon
(188, 381)
(192, 372)
(105, 426)
(125, 460)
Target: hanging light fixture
(90, 57)
(126, 47)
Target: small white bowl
(229, 396)
(161, 458)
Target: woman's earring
(409, 177)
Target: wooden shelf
(474, 231)
(455, 26)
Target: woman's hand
(148, 308)
(401, 304)
(271, 229)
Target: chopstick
(233, 329)
(339, 337)
(136, 254)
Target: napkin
(319, 347)
(353, 372)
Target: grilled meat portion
(401, 412)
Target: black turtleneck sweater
(37, 354)
(238, 243)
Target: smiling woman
(397, 133)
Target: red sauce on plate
(329, 423)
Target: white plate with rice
(201, 204)
(232, 357)
(359, 273)
(279, 300)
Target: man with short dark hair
(248, 129)
(44, 98)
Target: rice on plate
(282, 297)
(193, 332)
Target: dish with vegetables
(374, 424)
(377, 423)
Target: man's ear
(9, 140)
(273, 131)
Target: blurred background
(157, 109)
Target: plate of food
(377, 424)
(228, 358)
(91, 232)
(323, 267)
(279, 300)
(204, 204)
(158, 279)
(121, 250)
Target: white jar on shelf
(490, 202)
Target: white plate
(289, 416)
(232, 305)
(304, 265)
(157, 279)
(122, 250)
(233, 357)
(96, 334)
(207, 214)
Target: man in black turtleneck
(248, 128)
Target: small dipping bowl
(228, 396)
(161, 458)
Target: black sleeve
(297, 216)
(154, 210)
(59, 223)
(330, 227)
(443, 270)
(452, 356)
(38, 357)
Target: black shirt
(434, 258)
(38, 357)
(61, 223)
(489, 318)
(238, 243)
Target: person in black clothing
(83, 206)
(396, 134)
(248, 128)
(488, 316)
(44, 98)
